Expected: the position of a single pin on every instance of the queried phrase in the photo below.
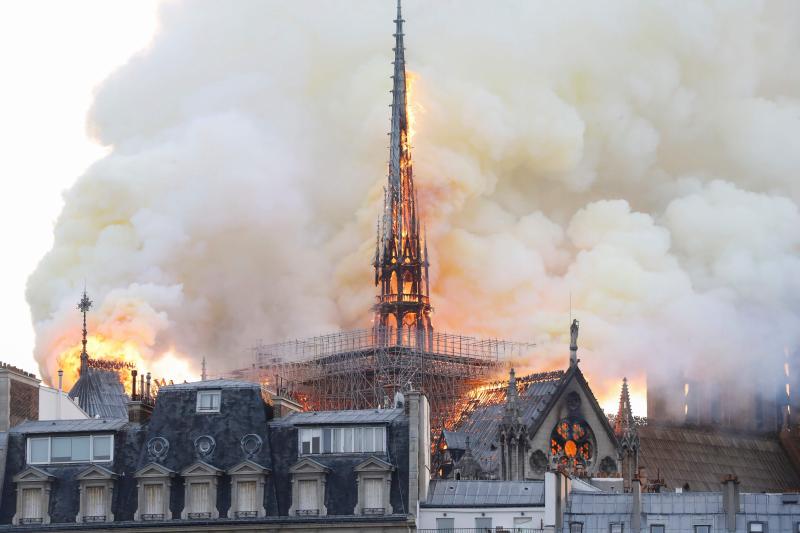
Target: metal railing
(246, 514)
(95, 518)
(395, 298)
(307, 512)
(373, 510)
(150, 516)
(195, 516)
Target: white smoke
(640, 157)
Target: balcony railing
(195, 516)
(373, 510)
(307, 512)
(153, 516)
(246, 514)
(95, 518)
(395, 298)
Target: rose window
(571, 443)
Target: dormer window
(208, 401)
(308, 488)
(153, 482)
(200, 491)
(96, 489)
(70, 449)
(374, 478)
(33, 496)
(342, 440)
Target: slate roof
(482, 418)
(703, 458)
(84, 425)
(210, 384)
(372, 416)
(473, 493)
(100, 393)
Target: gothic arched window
(571, 443)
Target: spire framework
(402, 311)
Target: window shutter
(32, 503)
(200, 501)
(308, 494)
(95, 501)
(247, 496)
(373, 493)
(152, 498)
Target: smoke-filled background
(640, 158)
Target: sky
(629, 163)
(53, 54)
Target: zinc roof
(360, 416)
(210, 384)
(474, 493)
(100, 393)
(86, 425)
(482, 418)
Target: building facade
(211, 457)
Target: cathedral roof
(100, 394)
(702, 458)
(483, 416)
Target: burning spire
(401, 257)
(624, 421)
(84, 305)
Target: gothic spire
(399, 134)
(401, 261)
(624, 420)
(84, 305)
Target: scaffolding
(364, 369)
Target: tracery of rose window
(571, 444)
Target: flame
(102, 348)
(413, 107)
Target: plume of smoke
(641, 157)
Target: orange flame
(99, 347)
(413, 107)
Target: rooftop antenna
(84, 305)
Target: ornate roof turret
(467, 466)
(512, 413)
(624, 421)
(98, 390)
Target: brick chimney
(19, 396)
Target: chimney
(730, 500)
(60, 393)
(283, 406)
(141, 406)
(419, 447)
(636, 505)
(556, 494)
